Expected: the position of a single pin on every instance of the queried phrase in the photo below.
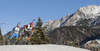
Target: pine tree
(1, 38)
(40, 36)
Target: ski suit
(27, 31)
(16, 31)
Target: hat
(31, 23)
(17, 24)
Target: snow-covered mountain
(40, 48)
(93, 43)
(51, 25)
(89, 15)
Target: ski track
(39, 48)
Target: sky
(24, 11)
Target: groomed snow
(39, 48)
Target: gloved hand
(20, 34)
(11, 33)
(22, 30)
(32, 32)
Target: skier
(27, 29)
(15, 32)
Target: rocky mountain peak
(88, 12)
(88, 15)
(91, 9)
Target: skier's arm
(20, 31)
(12, 31)
(24, 27)
(15, 28)
(33, 29)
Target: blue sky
(24, 11)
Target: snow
(39, 48)
(96, 45)
(91, 9)
(65, 21)
(88, 42)
(98, 40)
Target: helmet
(31, 23)
(17, 24)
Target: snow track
(39, 48)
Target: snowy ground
(39, 48)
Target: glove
(32, 32)
(22, 30)
(11, 33)
(20, 34)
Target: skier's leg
(12, 36)
(21, 36)
(28, 36)
(27, 33)
(16, 35)
(10, 42)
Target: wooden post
(95, 49)
(78, 44)
(89, 49)
(92, 49)
(98, 49)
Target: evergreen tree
(40, 36)
(1, 38)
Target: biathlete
(15, 33)
(27, 29)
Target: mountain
(82, 26)
(68, 35)
(88, 16)
(90, 13)
(93, 43)
(50, 25)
